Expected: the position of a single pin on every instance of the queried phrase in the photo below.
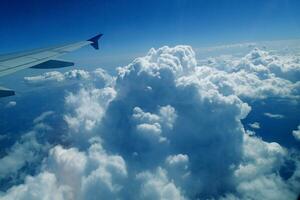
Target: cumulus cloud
(168, 128)
(26, 151)
(196, 129)
(90, 174)
(72, 174)
(157, 186)
(21, 152)
(275, 116)
(100, 75)
(208, 106)
(257, 176)
(87, 107)
(259, 74)
(42, 186)
(152, 125)
(177, 160)
(208, 110)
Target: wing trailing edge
(50, 64)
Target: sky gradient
(130, 28)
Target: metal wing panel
(17, 61)
(9, 70)
(43, 54)
(71, 47)
(14, 64)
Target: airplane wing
(40, 59)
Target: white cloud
(43, 186)
(55, 76)
(260, 157)
(88, 107)
(72, 174)
(11, 104)
(27, 150)
(169, 129)
(157, 186)
(152, 125)
(106, 180)
(258, 176)
(68, 165)
(246, 84)
(99, 76)
(296, 133)
(77, 74)
(43, 116)
(178, 167)
(275, 116)
(254, 75)
(20, 153)
(177, 159)
(255, 125)
(206, 100)
(205, 119)
(102, 76)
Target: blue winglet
(95, 40)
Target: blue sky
(132, 27)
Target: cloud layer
(169, 127)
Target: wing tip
(95, 41)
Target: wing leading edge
(40, 59)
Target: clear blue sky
(132, 27)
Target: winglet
(95, 40)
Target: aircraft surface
(40, 59)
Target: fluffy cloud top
(259, 74)
(71, 174)
(153, 125)
(172, 76)
(257, 176)
(88, 107)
